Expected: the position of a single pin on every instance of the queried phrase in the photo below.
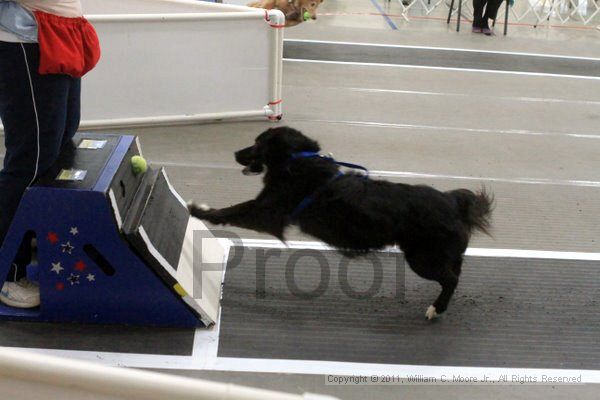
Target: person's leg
(19, 131)
(491, 10)
(33, 109)
(73, 111)
(478, 6)
(37, 113)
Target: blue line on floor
(387, 19)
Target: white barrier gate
(170, 61)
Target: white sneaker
(21, 294)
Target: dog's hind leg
(457, 266)
(440, 269)
(448, 281)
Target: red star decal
(60, 286)
(80, 266)
(52, 237)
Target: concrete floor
(533, 140)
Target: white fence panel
(177, 61)
(166, 61)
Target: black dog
(355, 214)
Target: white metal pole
(122, 383)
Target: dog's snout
(314, 17)
(245, 156)
(239, 157)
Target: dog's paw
(198, 210)
(431, 313)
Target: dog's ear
(290, 140)
(275, 149)
(282, 142)
(310, 145)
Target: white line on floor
(487, 71)
(125, 359)
(445, 128)
(413, 175)
(471, 252)
(528, 181)
(472, 96)
(443, 49)
(311, 367)
(206, 341)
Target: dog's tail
(475, 209)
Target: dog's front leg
(223, 215)
(249, 215)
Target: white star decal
(73, 279)
(74, 231)
(67, 248)
(56, 267)
(90, 277)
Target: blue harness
(308, 200)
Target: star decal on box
(67, 248)
(56, 267)
(52, 237)
(73, 279)
(80, 266)
(70, 265)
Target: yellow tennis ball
(139, 165)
